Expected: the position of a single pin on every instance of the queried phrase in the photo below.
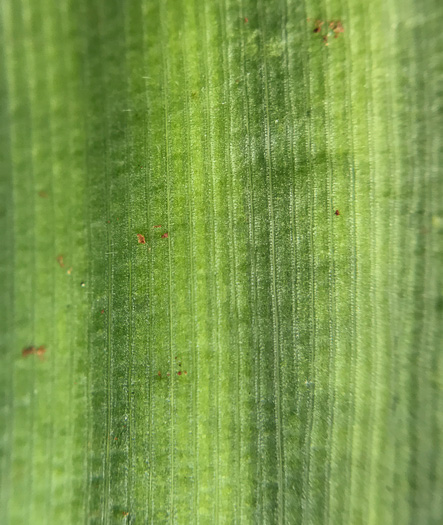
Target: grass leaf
(221, 240)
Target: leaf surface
(223, 221)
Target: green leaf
(272, 352)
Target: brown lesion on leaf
(318, 26)
(337, 28)
(141, 238)
(41, 350)
(32, 350)
(61, 261)
(327, 28)
(29, 350)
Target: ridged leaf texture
(221, 246)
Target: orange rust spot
(60, 261)
(318, 26)
(246, 20)
(338, 28)
(28, 351)
(32, 350)
(103, 311)
(337, 212)
(332, 28)
(141, 238)
(40, 352)
(69, 271)
(165, 235)
(158, 226)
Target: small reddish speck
(337, 27)
(159, 373)
(165, 235)
(246, 20)
(103, 311)
(179, 372)
(109, 222)
(337, 212)
(168, 374)
(40, 351)
(158, 226)
(141, 238)
(32, 350)
(28, 351)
